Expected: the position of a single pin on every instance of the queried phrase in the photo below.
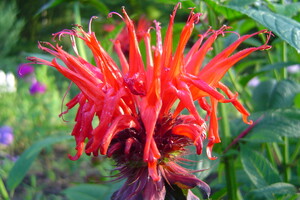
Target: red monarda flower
(138, 104)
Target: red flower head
(138, 104)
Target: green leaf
(277, 123)
(241, 2)
(24, 162)
(227, 12)
(278, 65)
(288, 10)
(284, 27)
(283, 94)
(275, 189)
(50, 4)
(297, 100)
(184, 3)
(273, 95)
(101, 7)
(258, 168)
(89, 192)
(261, 95)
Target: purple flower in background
(25, 69)
(293, 69)
(26, 72)
(6, 135)
(253, 82)
(37, 87)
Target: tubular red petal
(122, 58)
(236, 103)
(135, 58)
(79, 149)
(167, 46)
(177, 62)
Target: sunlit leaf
(297, 100)
(24, 162)
(284, 27)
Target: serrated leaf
(285, 28)
(88, 192)
(261, 95)
(24, 162)
(283, 94)
(283, 122)
(275, 189)
(258, 168)
(273, 95)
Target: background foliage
(255, 162)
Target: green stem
(228, 159)
(296, 151)
(270, 154)
(3, 190)
(284, 59)
(286, 164)
(287, 168)
(277, 152)
(79, 42)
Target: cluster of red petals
(141, 93)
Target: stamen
(62, 103)
(73, 41)
(114, 13)
(90, 23)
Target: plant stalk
(3, 191)
(79, 42)
(228, 159)
(286, 161)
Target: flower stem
(287, 169)
(80, 44)
(3, 190)
(270, 154)
(296, 152)
(284, 59)
(228, 159)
